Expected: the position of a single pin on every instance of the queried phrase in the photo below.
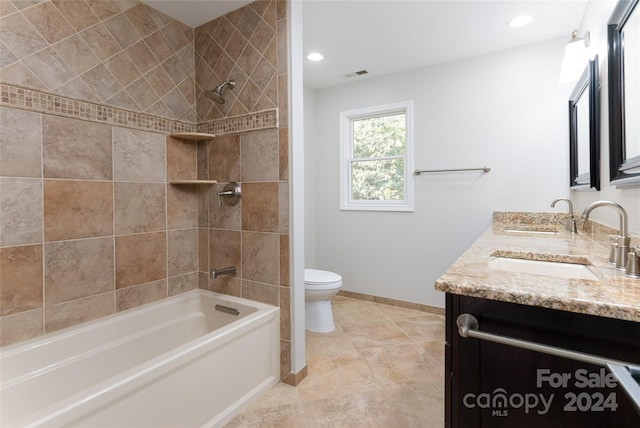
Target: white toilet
(319, 287)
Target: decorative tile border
(264, 119)
(44, 102)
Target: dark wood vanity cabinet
(494, 385)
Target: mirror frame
(588, 85)
(617, 148)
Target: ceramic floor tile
(287, 416)
(383, 367)
(332, 343)
(280, 395)
(335, 375)
(396, 312)
(356, 311)
(425, 328)
(396, 365)
(374, 333)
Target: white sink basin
(532, 231)
(538, 267)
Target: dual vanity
(538, 320)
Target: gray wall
(505, 110)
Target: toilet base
(319, 316)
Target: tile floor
(383, 366)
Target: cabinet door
(495, 385)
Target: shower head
(215, 95)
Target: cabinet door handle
(468, 327)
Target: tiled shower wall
(89, 225)
(249, 46)
(118, 53)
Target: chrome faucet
(621, 242)
(571, 221)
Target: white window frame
(346, 157)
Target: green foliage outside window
(377, 168)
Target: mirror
(584, 130)
(624, 94)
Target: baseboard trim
(294, 379)
(392, 302)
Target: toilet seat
(321, 279)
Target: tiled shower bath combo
(90, 226)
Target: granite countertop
(612, 295)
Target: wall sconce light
(575, 57)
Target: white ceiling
(389, 36)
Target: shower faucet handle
(231, 192)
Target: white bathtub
(175, 363)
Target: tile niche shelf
(195, 137)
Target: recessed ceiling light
(519, 21)
(315, 56)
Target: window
(376, 148)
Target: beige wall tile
(182, 206)
(181, 159)
(76, 149)
(20, 143)
(283, 153)
(225, 250)
(20, 279)
(49, 67)
(75, 51)
(78, 311)
(75, 269)
(283, 207)
(77, 12)
(100, 41)
(142, 57)
(138, 156)
(203, 249)
(224, 216)
(285, 358)
(102, 82)
(140, 258)
(141, 20)
(260, 292)
(122, 30)
(77, 209)
(260, 158)
(227, 285)
(260, 207)
(260, 257)
(104, 8)
(21, 326)
(205, 195)
(183, 251)
(159, 46)
(285, 312)
(283, 100)
(139, 207)
(138, 295)
(282, 45)
(20, 36)
(20, 211)
(122, 68)
(48, 21)
(284, 261)
(224, 158)
(181, 283)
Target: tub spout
(224, 271)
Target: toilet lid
(314, 276)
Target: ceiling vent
(356, 73)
